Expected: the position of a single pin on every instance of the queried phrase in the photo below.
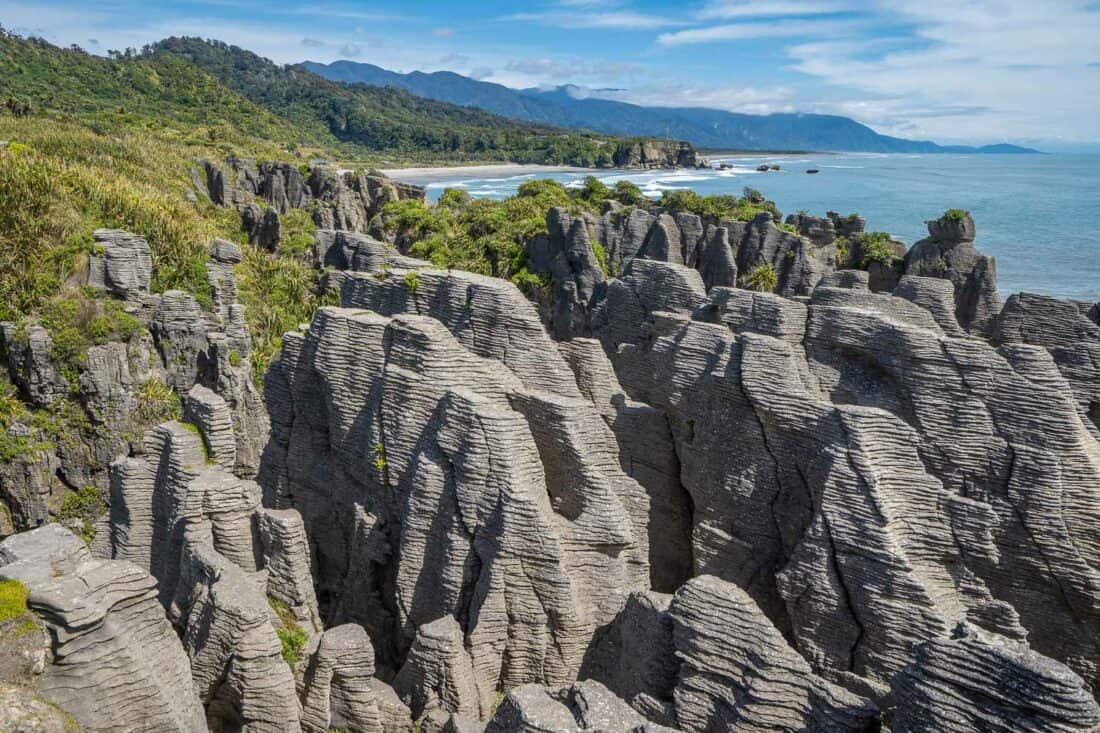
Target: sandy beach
(413, 175)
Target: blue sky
(949, 70)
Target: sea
(1039, 215)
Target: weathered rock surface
(120, 263)
(340, 200)
(121, 388)
(473, 480)
(949, 253)
(340, 689)
(584, 707)
(738, 673)
(114, 662)
(790, 508)
(447, 455)
(979, 681)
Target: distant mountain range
(566, 106)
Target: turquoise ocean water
(1039, 215)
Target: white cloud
(443, 32)
(612, 20)
(977, 69)
(725, 9)
(744, 31)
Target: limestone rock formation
(120, 263)
(340, 689)
(839, 414)
(656, 154)
(949, 253)
(738, 673)
(584, 707)
(340, 200)
(566, 255)
(113, 662)
(122, 387)
(979, 681)
(441, 429)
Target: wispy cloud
(443, 32)
(726, 9)
(744, 31)
(611, 20)
(312, 43)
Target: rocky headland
(710, 474)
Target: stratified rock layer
(114, 662)
(979, 681)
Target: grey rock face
(121, 263)
(114, 663)
(820, 230)
(1044, 321)
(585, 707)
(949, 253)
(438, 673)
(30, 366)
(934, 295)
(194, 526)
(851, 279)
(738, 673)
(979, 681)
(798, 262)
(339, 684)
(566, 255)
(497, 503)
(840, 413)
(636, 658)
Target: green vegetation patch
(876, 247)
(76, 321)
(720, 206)
(13, 600)
(291, 635)
(85, 505)
(762, 278)
(956, 214)
(157, 402)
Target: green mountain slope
(383, 119)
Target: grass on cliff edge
(487, 236)
(61, 179)
(13, 600)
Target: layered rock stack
(125, 386)
(263, 192)
(949, 253)
(661, 502)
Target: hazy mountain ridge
(703, 127)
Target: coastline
(413, 175)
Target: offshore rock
(114, 663)
(980, 681)
(949, 253)
(655, 154)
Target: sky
(954, 71)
